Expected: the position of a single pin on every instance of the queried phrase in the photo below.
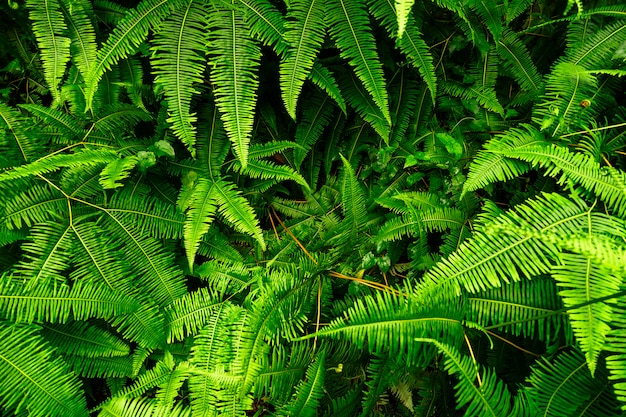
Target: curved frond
(234, 59)
(304, 32)
(202, 207)
(79, 15)
(348, 25)
(179, 63)
(21, 146)
(50, 30)
(308, 392)
(516, 60)
(82, 338)
(188, 314)
(127, 35)
(29, 371)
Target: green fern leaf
(578, 168)
(179, 64)
(142, 407)
(490, 398)
(323, 78)
(145, 326)
(116, 171)
(235, 57)
(201, 212)
(565, 387)
(22, 146)
(400, 23)
(35, 205)
(29, 371)
(403, 12)
(266, 23)
(315, 119)
(347, 25)
(188, 314)
(83, 339)
(268, 170)
(123, 40)
(78, 15)
(599, 48)
(516, 61)
(304, 32)
(485, 261)
(237, 211)
(489, 165)
(60, 121)
(100, 367)
(50, 30)
(491, 15)
(308, 393)
(352, 201)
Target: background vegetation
(312, 208)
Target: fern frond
(401, 24)
(566, 87)
(389, 323)
(566, 387)
(21, 146)
(179, 64)
(348, 25)
(491, 14)
(101, 366)
(352, 201)
(323, 78)
(83, 338)
(268, 170)
(202, 209)
(308, 393)
(50, 30)
(148, 380)
(485, 262)
(141, 407)
(489, 165)
(266, 23)
(237, 211)
(484, 395)
(577, 168)
(35, 205)
(145, 326)
(83, 157)
(78, 15)
(518, 63)
(235, 58)
(486, 98)
(525, 308)
(32, 380)
(57, 304)
(379, 372)
(170, 389)
(56, 119)
(599, 48)
(191, 312)
(583, 283)
(314, 120)
(304, 32)
(124, 39)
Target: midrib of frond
(519, 64)
(471, 299)
(496, 254)
(378, 97)
(179, 101)
(599, 44)
(241, 145)
(382, 324)
(84, 47)
(7, 121)
(34, 382)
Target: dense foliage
(312, 208)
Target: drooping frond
(20, 146)
(576, 168)
(491, 14)
(82, 338)
(517, 62)
(390, 323)
(179, 63)
(50, 30)
(566, 387)
(32, 380)
(353, 201)
(525, 308)
(308, 393)
(78, 15)
(123, 40)
(480, 395)
(234, 60)
(141, 407)
(348, 25)
(311, 126)
(400, 23)
(490, 165)
(57, 304)
(304, 32)
(483, 262)
(202, 208)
